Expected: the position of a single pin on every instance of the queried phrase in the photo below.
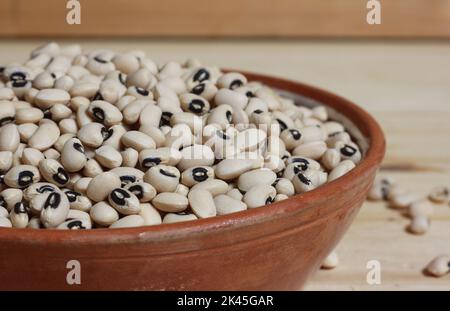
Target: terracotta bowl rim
(373, 156)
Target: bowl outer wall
(271, 248)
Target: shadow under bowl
(270, 248)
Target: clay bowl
(270, 248)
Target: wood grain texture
(217, 18)
(404, 85)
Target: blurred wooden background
(230, 18)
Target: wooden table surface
(405, 85)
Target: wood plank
(216, 18)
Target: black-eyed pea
(115, 133)
(73, 178)
(226, 204)
(274, 163)
(380, 189)
(84, 89)
(5, 223)
(164, 178)
(202, 203)
(6, 160)
(207, 90)
(7, 112)
(108, 157)
(82, 184)
(439, 266)
(141, 79)
(59, 112)
(54, 209)
(331, 158)
(151, 157)
(150, 215)
(101, 186)
(137, 140)
(256, 106)
(231, 80)
(68, 126)
(256, 177)
(64, 83)
(349, 151)
(9, 138)
(232, 98)
(221, 115)
(229, 169)
(130, 157)
(337, 137)
(320, 113)
(26, 131)
(331, 261)
(145, 192)
(111, 90)
(170, 202)
(332, 127)
(45, 136)
(126, 62)
(313, 150)
(35, 223)
(419, 224)
(400, 197)
(28, 115)
(48, 97)
(22, 176)
(75, 224)
(100, 65)
(132, 111)
(178, 217)
(197, 174)
(10, 197)
(155, 133)
(419, 208)
(73, 157)
(128, 174)
(141, 93)
(78, 201)
(311, 122)
(182, 189)
(235, 194)
(105, 113)
(32, 156)
(53, 172)
(3, 211)
(196, 155)
(103, 214)
(194, 122)
(93, 134)
(194, 104)
(38, 188)
(123, 102)
(17, 155)
(284, 186)
(280, 197)
(124, 201)
(259, 195)
(214, 186)
(308, 180)
(129, 221)
(92, 168)
(341, 169)
(79, 101)
(170, 69)
(52, 153)
(440, 194)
